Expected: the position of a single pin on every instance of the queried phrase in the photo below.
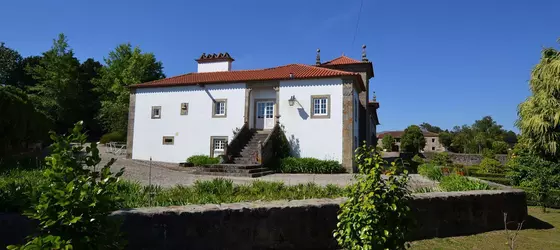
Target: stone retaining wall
(298, 224)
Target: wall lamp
(292, 100)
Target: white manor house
(324, 110)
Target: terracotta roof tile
(399, 134)
(342, 60)
(298, 71)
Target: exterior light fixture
(292, 100)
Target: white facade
(317, 137)
(191, 132)
(214, 66)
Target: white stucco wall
(318, 138)
(214, 66)
(192, 132)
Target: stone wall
(298, 224)
(467, 159)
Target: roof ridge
(327, 69)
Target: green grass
(544, 238)
(18, 188)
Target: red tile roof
(298, 71)
(342, 60)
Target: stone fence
(298, 224)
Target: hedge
(553, 200)
(308, 165)
(113, 137)
(499, 180)
(199, 160)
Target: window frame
(213, 139)
(186, 111)
(168, 143)
(159, 112)
(214, 114)
(327, 115)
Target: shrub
(490, 165)
(455, 182)
(19, 189)
(418, 160)
(376, 214)
(113, 137)
(441, 159)
(75, 201)
(430, 171)
(309, 165)
(499, 180)
(199, 160)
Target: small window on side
(168, 140)
(219, 108)
(156, 112)
(433, 140)
(184, 108)
(320, 106)
(433, 148)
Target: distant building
(432, 141)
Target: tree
(510, 138)
(539, 115)
(500, 147)
(412, 140)
(21, 123)
(23, 77)
(388, 142)
(446, 138)
(91, 103)
(428, 127)
(124, 66)
(57, 93)
(9, 61)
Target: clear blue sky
(438, 61)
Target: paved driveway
(168, 175)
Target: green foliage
(533, 172)
(430, 128)
(446, 139)
(418, 160)
(18, 189)
(539, 115)
(281, 146)
(376, 214)
(20, 123)
(488, 153)
(412, 140)
(124, 66)
(500, 180)
(45, 242)
(453, 182)
(309, 165)
(9, 60)
(500, 147)
(75, 201)
(388, 142)
(430, 171)
(113, 137)
(441, 159)
(490, 165)
(199, 160)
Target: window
(433, 140)
(219, 108)
(218, 145)
(156, 112)
(433, 148)
(320, 106)
(184, 108)
(168, 140)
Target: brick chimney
(214, 62)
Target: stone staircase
(244, 164)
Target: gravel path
(168, 175)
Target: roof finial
(364, 58)
(374, 97)
(318, 58)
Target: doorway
(264, 114)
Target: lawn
(533, 237)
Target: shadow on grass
(535, 223)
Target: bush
(418, 160)
(441, 159)
(75, 201)
(490, 165)
(309, 165)
(430, 171)
(499, 180)
(376, 214)
(200, 160)
(113, 137)
(455, 182)
(19, 189)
